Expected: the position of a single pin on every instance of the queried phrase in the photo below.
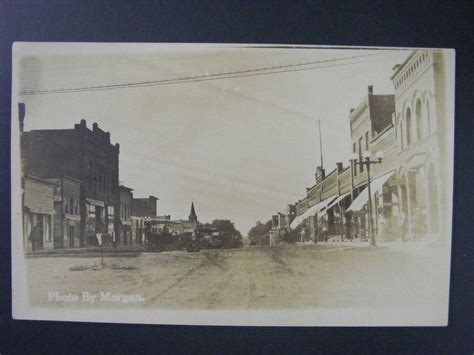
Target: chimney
(339, 167)
(371, 89)
(21, 115)
(95, 126)
(81, 125)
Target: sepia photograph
(225, 184)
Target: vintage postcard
(232, 184)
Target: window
(110, 211)
(71, 205)
(419, 120)
(76, 205)
(361, 166)
(91, 211)
(409, 128)
(401, 134)
(366, 141)
(354, 148)
(428, 116)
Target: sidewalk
(90, 251)
(429, 245)
(424, 247)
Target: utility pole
(320, 143)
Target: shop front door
(70, 236)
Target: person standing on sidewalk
(114, 239)
(325, 232)
(381, 226)
(34, 237)
(303, 236)
(419, 223)
(402, 224)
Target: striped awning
(337, 200)
(312, 211)
(375, 185)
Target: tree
(259, 231)
(225, 226)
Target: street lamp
(367, 161)
(353, 158)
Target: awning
(312, 211)
(93, 202)
(337, 200)
(296, 222)
(375, 185)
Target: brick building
(85, 155)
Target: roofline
(125, 187)
(382, 132)
(44, 180)
(49, 130)
(145, 198)
(401, 66)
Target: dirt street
(296, 276)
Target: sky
(240, 148)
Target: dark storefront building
(87, 156)
(125, 225)
(67, 212)
(142, 209)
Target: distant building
(192, 214)
(82, 154)
(281, 224)
(142, 209)
(179, 226)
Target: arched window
(401, 134)
(419, 120)
(428, 116)
(408, 126)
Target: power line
(206, 77)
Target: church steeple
(192, 214)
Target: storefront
(38, 214)
(95, 220)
